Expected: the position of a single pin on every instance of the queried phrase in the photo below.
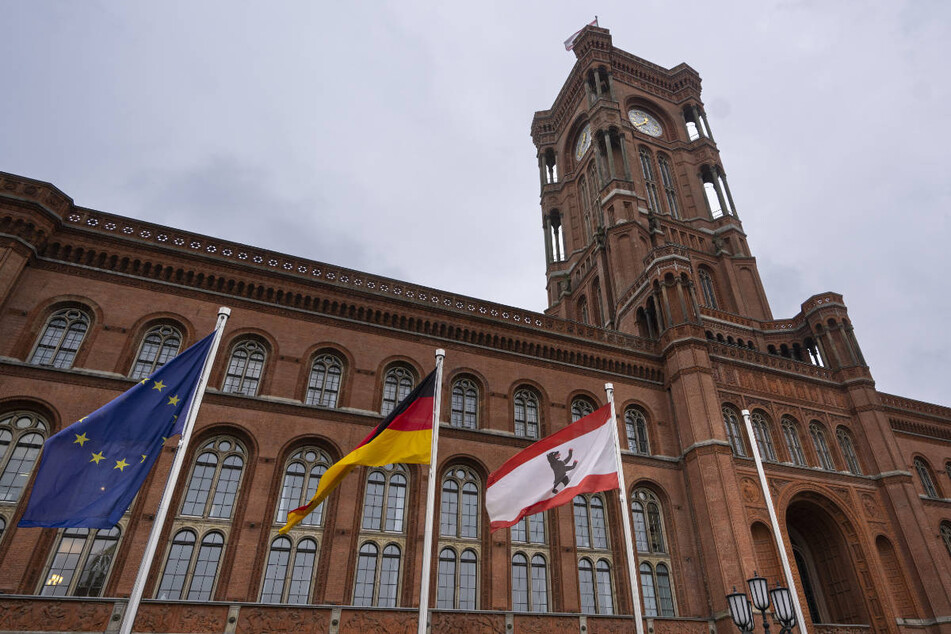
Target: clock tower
(641, 230)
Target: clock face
(584, 142)
(644, 122)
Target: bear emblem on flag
(560, 468)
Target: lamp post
(741, 608)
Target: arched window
(946, 535)
(651, 544)
(848, 450)
(456, 580)
(530, 530)
(594, 583)
(465, 404)
(287, 582)
(21, 438)
(62, 335)
(191, 575)
(648, 523)
(529, 583)
(159, 346)
(822, 448)
(927, 480)
(670, 187)
(301, 477)
(793, 445)
(650, 183)
(459, 504)
(526, 413)
(764, 439)
(215, 478)
(731, 421)
(323, 385)
(590, 524)
(88, 553)
(636, 425)
(398, 382)
(583, 316)
(707, 289)
(581, 407)
(377, 581)
(244, 368)
(384, 505)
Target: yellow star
(144, 381)
(80, 439)
(158, 385)
(121, 465)
(164, 438)
(173, 400)
(82, 419)
(143, 458)
(96, 457)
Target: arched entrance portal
(826, 569)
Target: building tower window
(526, 413)
(384, 504)
(189, 575)
(636, 425)
(652, 552)
(670, 187)
(647, 169)
(286, 583)
(159, 346)
(707, 289)
(927, 480)
(397, 384)
(465, 404)
(581, 407)
(764, 439)
(63, 334)
(323, 385)
(79, 549)
(731, 421)
(848, 450)
(822, 448)
(244, 368)
(377, 581)
(215, 478)
(301, 477)
(25, 433)
(793, 445)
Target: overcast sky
(393, 137)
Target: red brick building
(651, 287)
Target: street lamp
(741, 608)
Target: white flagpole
(430, 501)
(777, 533)
(625, 517)
(128, 617)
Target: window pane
(396, 503)
(539, 584)
(275, 572)
(647, 590)
(537, 528)
(654, 528)
(200, 485)
(227, 487)
(316, 516)
(290, 491)
(664, 598)
(373, 501)
(98, 561)
(176, 568)
(366, 575)
(519, 583)
(446, 582)
(470, 511)
(640, 528)
(467, 581)
(389, 577)
(582, 532)
(605, 594)
(206, 567)
(599, 535)
(65, 562)
(303, 572)
(19, 467)
(519, 534)
(586, 586)
(448, 508)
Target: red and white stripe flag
(580, 458)
(570, 42)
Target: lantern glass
(738, 610)
(782, 602)
(759, 592)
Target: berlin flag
(581, 458)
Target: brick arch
(141, 327)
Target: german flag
(406, 435)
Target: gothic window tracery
(323, 384)
(581, 406)
(526, 413)
(22, 435)
(635, 423)
(847, 445)
(244, 368)
(764, 439)
(731, 421)
(81, 562)
(158, 347)
(464, 410)
(398, 382)
(61, 338)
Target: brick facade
(656, 293)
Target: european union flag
(90, 472)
